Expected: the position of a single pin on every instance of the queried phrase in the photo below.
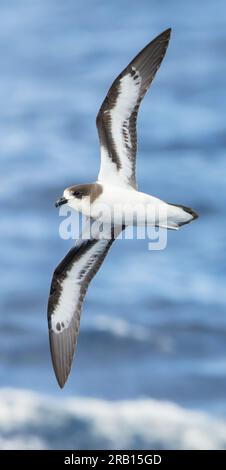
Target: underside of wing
(116, 120)
(69, 284)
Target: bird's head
(76, 197)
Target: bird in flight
(115, 192)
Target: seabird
(114, 190)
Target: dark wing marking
(116, 120)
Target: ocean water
(150, 368)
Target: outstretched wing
(69, 284)
(116, 120)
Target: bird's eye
(77, 194)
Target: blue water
(154, 323)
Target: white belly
(127, 206)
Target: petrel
(114, 196)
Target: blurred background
(150, 368)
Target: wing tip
(61, 375)
(165, 35)
(61, 382)
(168, 30)
(61, 365)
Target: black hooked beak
(61, 201)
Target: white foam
(29, 420)
(120, 327)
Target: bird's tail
(177, 216)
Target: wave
(32, 421)
(119, 327)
